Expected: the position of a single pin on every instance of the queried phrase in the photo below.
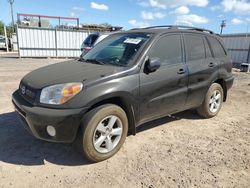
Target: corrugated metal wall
(238, 46)
(44, 42)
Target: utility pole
(12, 15)
(222, 25)
(6, 39)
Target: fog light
(51, 130)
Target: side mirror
(152, 64)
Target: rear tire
(212, 102)
(104, 130)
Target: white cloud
(159, 15)
(215, 7)
(236, 21)
(157, 3)
(182, 10)
(147, 15)
(190, 20)
(99, 6)
(237, 6)
(72, 14)
(150, 15)
(135, 23)
(143, 3)
(163, 4)
(78, 8)
(220, 16)
(183, 22)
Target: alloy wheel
(107, 134)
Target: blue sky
(140, 13)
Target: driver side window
(167, 49)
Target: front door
(164, 91)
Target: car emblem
(23, 89)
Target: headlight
(60, 93)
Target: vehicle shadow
(17, 146)
(188, 114)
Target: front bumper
(36, 119)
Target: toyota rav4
(127, 79)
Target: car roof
(172, 28)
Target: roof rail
(180, 27)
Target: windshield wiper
(95, 61)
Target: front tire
(104, 130)
(212, 102)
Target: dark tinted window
(207, 48)
(194, 47)
(216, 47)
(168, 49)
(90, 40)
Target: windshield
(118, 49)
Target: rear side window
(167, 49)
(194, 47)
(207, 49)
(216, 47)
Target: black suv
(127, 79)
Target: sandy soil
(179, 151)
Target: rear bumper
(229, 82)
(36, 119)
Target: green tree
(1, 28)
(9, 29)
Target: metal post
(18, 47)
(248, 54)
(6, 39)
(222, 25)
(56, 43)
(18, 19)
(221, 29)
(78, 23)
(39, 21)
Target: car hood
(66, 72)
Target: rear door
(202, 68)
(165, 90)
(220, 56)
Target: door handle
(181, 71)
(211, 64)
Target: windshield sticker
(132, 41)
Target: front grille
(27, 92)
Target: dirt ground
(182, 151)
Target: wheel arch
(122, 102)
(224, 87)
